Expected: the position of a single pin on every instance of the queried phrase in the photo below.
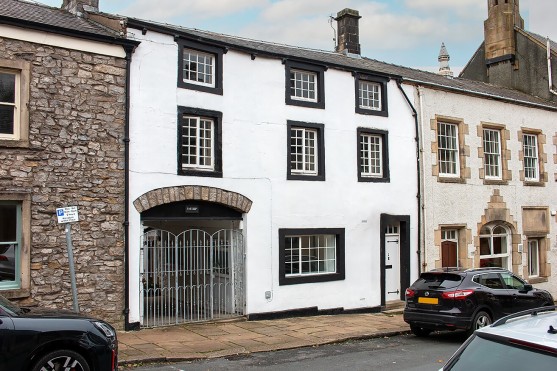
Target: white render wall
(448, 203)
(254, 162)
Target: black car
(451, 299)
(33, 339)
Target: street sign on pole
(67, 215)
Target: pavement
(195, 341)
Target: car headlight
(106, 329)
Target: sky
(403, 32)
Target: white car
(522, 341)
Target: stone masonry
(75, 157)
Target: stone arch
(497, 211)
(167, 195)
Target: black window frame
(385, 178)
(216, 116)
(320, 128)
(382, 81)
(320, 91)
(214, 50)
(339, 275)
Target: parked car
(451, 299)
(522, 341)
(34, 339)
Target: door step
(394, 306)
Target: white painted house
(266, 179)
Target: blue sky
(404, 32)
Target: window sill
(495, 182)
(533, 184)
(15, 293)
(203, 173)
(371, 112)
(536, 280)
(446, 179)
(14, 143)
(306, 177)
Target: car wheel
(420, 331)
(481, 319)
(62, 360)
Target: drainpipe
(127, 325)
(550, 79)
(418, 164)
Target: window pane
(197, 142)
(8, 223)
(370, 95)
(309, 255)
(533, 258)
(303, 85)
(492, 153)
(7, 88)
(7, 119)
(447, 148)
(371, 155)
(530, 149)
(198, 67)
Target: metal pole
(72, 270)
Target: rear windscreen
(430, 280)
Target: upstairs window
(305, 85)
(9, 104)
(371, 95)
(447, 152)
(200, 67)
(373, 160)
(305, 151)
(492, 153)
(531, 161)
(199, 142)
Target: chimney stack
(503, 17)
(348, 32)
(78, 7)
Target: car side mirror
(527, 287)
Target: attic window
(200, 67)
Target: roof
(346, 62)
(542, 40)
(37, 16)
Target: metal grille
(191, 277)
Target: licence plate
(422, 300)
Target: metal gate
(190, 277)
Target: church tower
(500, 42)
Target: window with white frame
(492, 153)
(373, 159)
(447, 149)
(371, 155)
(199, 142)
(10, 244)
(370, 95)
(305, 151)
(495, 246)
(303, 85)
(199, 67)
(533, 258)
(530, 151)
(311, 255)
(9, 104)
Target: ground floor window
(311, 255)
(494, 246)
(533, 258)
(10, 244)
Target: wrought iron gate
(190, 277)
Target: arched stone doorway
(192, 255)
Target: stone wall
(75, 157)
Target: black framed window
(305, 84)
(311, 255)
(371, 95)
(199, 66)
(199, 142)
(305, 151)
(373, 155)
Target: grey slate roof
(349, 63)
(28, 14)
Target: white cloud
(163, 10)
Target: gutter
(549, 77)
(418, 165)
